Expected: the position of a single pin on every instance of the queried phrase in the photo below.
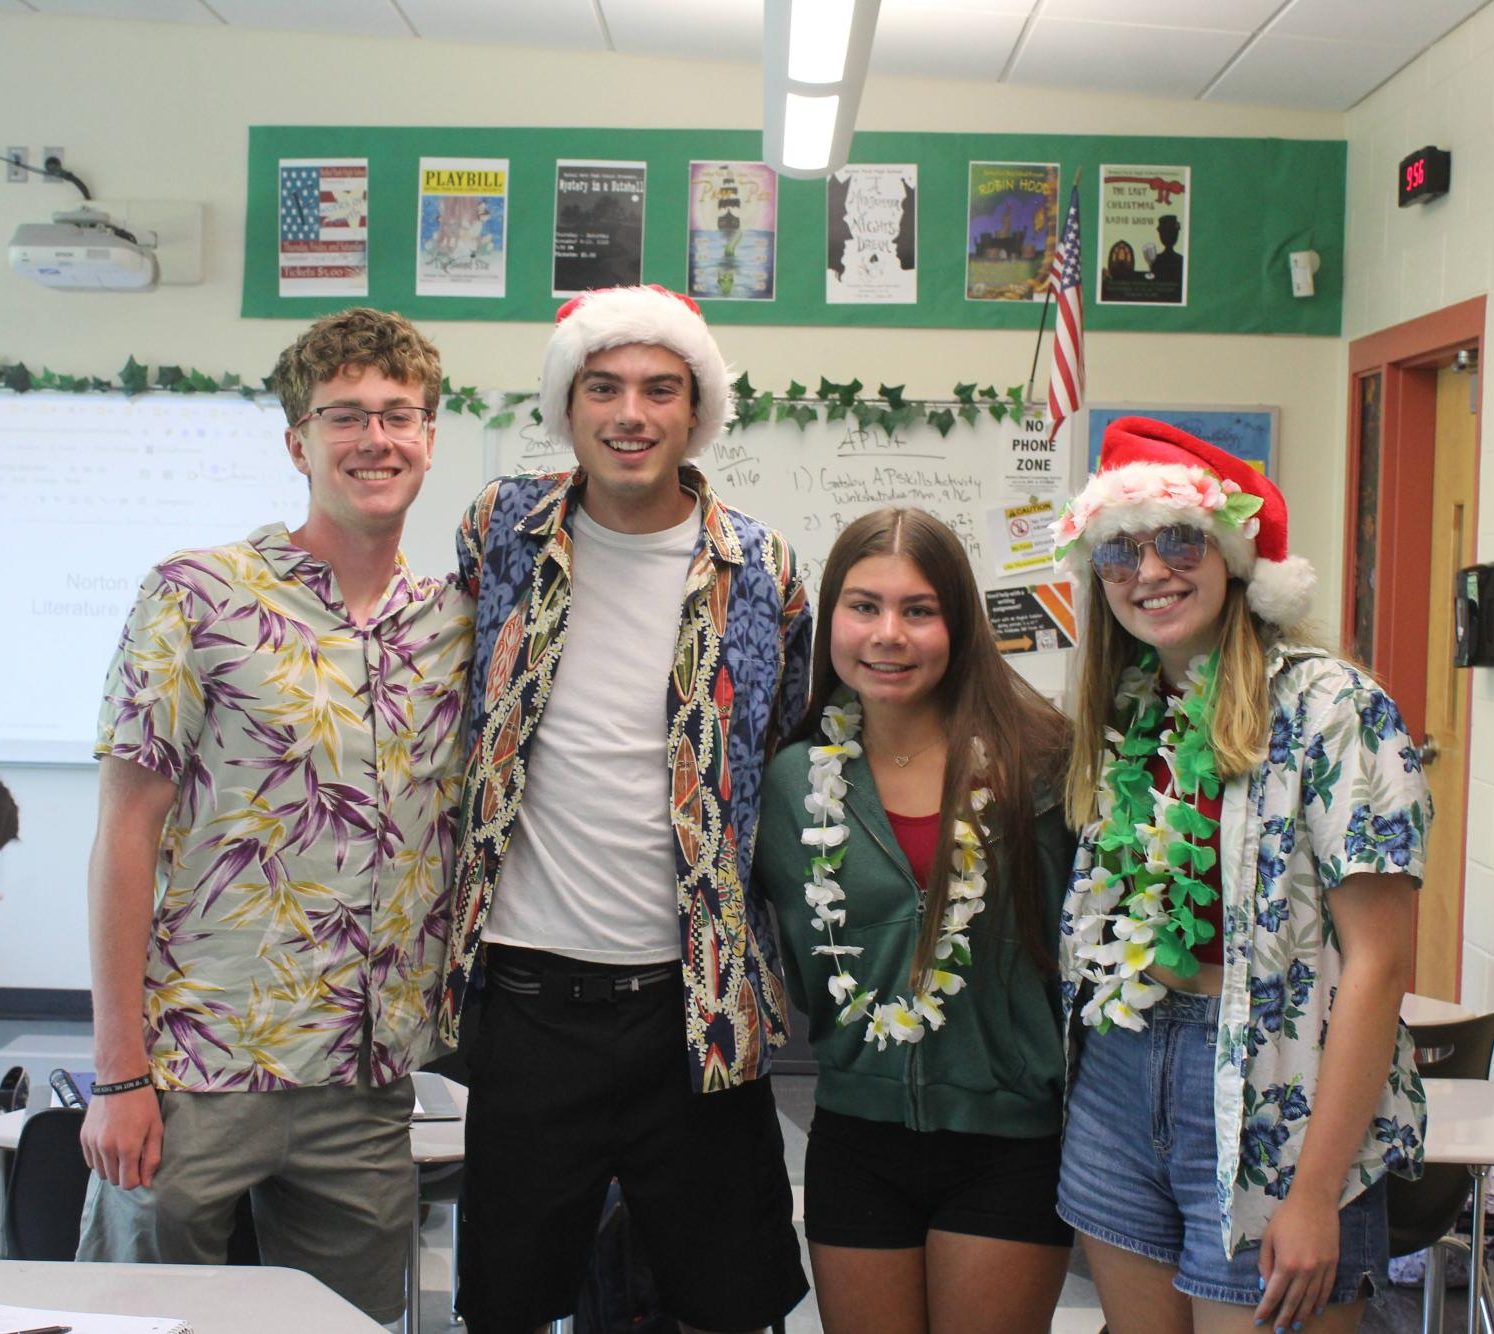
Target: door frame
(1406, 357)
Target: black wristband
(123, 1086)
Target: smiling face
(364, 485)
(631, 418)
(1180, 615)
(888, 638)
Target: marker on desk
(67, 1092)
(45, 1329)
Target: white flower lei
(900, 1020)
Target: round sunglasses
(1180, 546)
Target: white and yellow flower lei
(900, 1020)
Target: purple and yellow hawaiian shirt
(302, 878)
(739, 681)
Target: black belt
(581, 988)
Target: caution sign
(1034, 619)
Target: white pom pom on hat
(616, 316)
(1278, 585)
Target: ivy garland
(888, 410)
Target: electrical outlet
(13, 172)
(47, 155)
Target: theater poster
(598, 225)
(871, 225)
(463, 227)
(1012, 230)
(733, 230)
(1143, 254)
(324, 227)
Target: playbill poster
(733, 230)
(324, 226)
(463, 227)
(871, 225)
(598, 225)
(1012, 230)
(1144, 236)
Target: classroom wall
(1403, 263)
(151, 111)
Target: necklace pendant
(902, 761)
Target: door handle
(1428, 751)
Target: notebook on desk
(18, 1318)
(432, 1101)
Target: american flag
(1066, 379)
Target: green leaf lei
(1138, 902)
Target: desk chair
(1423, 1213)
(48, 1180)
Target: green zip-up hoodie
(996, 1066)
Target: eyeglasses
(341, 422)
(1181, 547)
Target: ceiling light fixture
(815, 54)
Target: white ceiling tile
(723, 30)
(940, 43)
(10, 7)
(982, 8)
(1413, 24)
(568, 25)
(1114, 57)
(152, 11)
(1236, 16)
(1312, 75)
(350, 18)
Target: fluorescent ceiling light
(818, 36)
(808, 131)
(815, 56)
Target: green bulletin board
(1253, 201)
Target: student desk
(212, 1299)
(1460, 1129)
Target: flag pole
(1043, 320)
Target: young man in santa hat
(640, 648)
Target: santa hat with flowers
(615, 316)
(1152, 474)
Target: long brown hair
(1242, 701)
(1024, 738)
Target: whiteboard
(996, 484)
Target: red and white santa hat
(1152, 474)
(615, 316)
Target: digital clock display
(1425, 175)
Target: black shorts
(568, 1093)
(879, 1185)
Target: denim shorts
(1139, 1160)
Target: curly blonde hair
(360, 337)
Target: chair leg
(1434, 1288)
(456, 1241)
(412, 1272)
(565, 1325)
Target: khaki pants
(328, 1171)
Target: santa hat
(615, 316)
(1152, 474)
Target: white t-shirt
(589, 871)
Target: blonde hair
(1242, 700)
(358, 337)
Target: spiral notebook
(14, 1319)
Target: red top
(918, 837)
(1208, 951)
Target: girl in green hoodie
(914, 847)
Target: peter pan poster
(463, 227)
(598, 225)
(1012, 230)
(1143, 236)
(871, 224)
(733, 230)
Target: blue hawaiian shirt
(1340, 793)
(739, 682)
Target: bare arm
(1375, 919)
(122, 1132)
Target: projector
(84, 250)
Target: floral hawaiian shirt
(1340, 793)
(302, 876)
(740, 677)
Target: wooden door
(1439, 922)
